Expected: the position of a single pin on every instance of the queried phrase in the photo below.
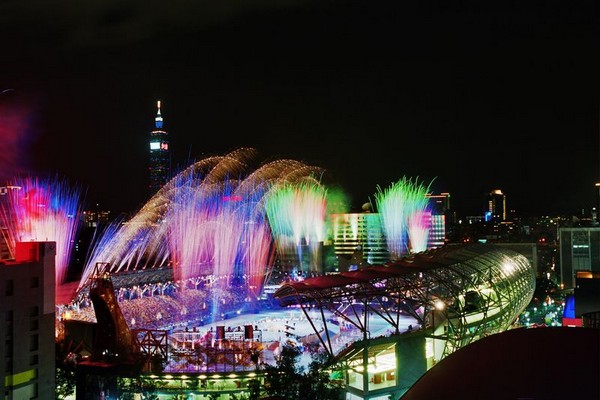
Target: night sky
(470, 95)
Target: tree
(128, 387)
(255, 389)
(316, 384)
(65, 382)
(66, 362)
(283, 378)
(288, 381)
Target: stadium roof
(422, 262)
(463, 284)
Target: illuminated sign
(154, 145)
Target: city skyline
(473, 98)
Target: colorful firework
(296, 213)
(43, 210)
(404, 216)
(204, 222)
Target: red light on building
(27, 252)
(572, 322)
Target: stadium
(213, 276)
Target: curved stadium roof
(481, 286)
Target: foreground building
(27, 315)
(521, 357)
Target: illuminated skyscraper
(496, 206)
(360, 232)
(439, 206)
(159, 165)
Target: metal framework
(113, 339)
(457, 293)
(153, 345)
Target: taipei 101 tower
(159, 165)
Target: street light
(439, 305)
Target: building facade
(360, 232)
(360, 237)
(579, 251)
(441, 216)
(27, 313)
(496, 206)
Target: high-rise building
(27, 322)
(159, 166)
(496, 206)
(439, 206)
(579, 251)
(439, 203)
(360, 237)
(360, 232)
(437, 231)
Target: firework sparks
(207, 223)
(403, 209)
(43, 210)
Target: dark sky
(471, 95)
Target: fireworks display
(404, 215)
(211, 219)
(296, 213)
(218, 218)
(43, 210)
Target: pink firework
(44, 210)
